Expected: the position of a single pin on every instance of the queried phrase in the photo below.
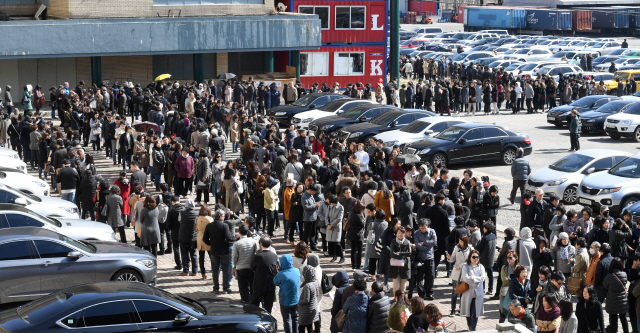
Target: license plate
(551, 118)
(584, 201)
(611, 126)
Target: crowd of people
(399, 222)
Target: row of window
(346, 17)
(119, 313)
(344, 63)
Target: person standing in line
(243, 253)
(149, 227)
(400, 261)
(355, 309)
(204, 218)
(378, 310)
(264, 268)
(309, 300)
(548, 317)
(589, 311)
(569, 321)
(458, 259)
(617, 304)
(425, 241)
(188, 239)
(288, 279)
(472, 303)
(520, 171)
(574, 130)
(115, 207)
(218, 236)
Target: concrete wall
(46, 72)
(88, 9)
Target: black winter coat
(590, 318)
(415, 321)
(404, 209)
(520, 291)
(356, 225)
(617, 300)
(187, 231)
(400, 251)
(173, 220)
(88, 189)
(158, 160)
(377, 313)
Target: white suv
(626, 123)
(530, 54)
(302, 119)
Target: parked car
(561, 115)
(626, 123)
(25, 183)
(619, 63)
(555, 70)
(471, 56)
(495, 31)
(427, 30)
(531, 68)
(623, 76)
(563, 176)
(593, 121)
(15, 216)
(357, 114)
(580, 46)
(414, 43)
(502, 63)
(530, 54)
(483, 61)
(616, 188)
(564, 44)
(47, 206)
(284, 113)
(302, 120)
(37, 261)
(605, 59)
(468, 142)
(11, 165)
(386, 121)
(604, 47)
(458, 36)
(417, 130)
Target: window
(322, 12)
(7, 197)
(601, 164)
(348, 64)
(439, 127)
(15, 251)
(404, 119)
(151, 311)
(601, 102)
(350, 17)
(474, 134)
(618, 159)
(205, 2)
(314, 63)
(19, 220)
(492, 132)
(321, 101)
(107, 314)
(73, 321)
(49, 249)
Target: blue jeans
(158, 178)
(289, 318)
(69, 196)
(472, 319)
(113, 150)
(229, 267)
(53, 113)
(40, 171)
(235, 146)
(216, 262)
(478, 104)
(365, 268)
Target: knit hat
(563, 235)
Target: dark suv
(284, 113)
(356, 114)
(386, 121)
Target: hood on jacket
(7, 88)
(539, 239)
(309, 273)
(339, 279)
(525, 233)
(313, 260)
(187, 122)
(286, 262)
(189, 204)
(424, 167)
(406, 196)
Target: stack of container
(581, 20)
(495, 17)
(410, 18)
(609, 18)
(548, 19)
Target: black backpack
(326, 284)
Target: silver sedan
(36, 262)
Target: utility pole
(394, 30)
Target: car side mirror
(591, 170)
(462, 141)
(182, 318)
(21, 201)
(428, 132)
(74, 255)
(362, 118)
(312, 106)
(393, 124)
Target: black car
(356, 114)
(561, 115)
(133, 307)
(386, 121)
(434, 48)
(468, 142)
(593, 121)
(284, 113)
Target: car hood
(360, 127)
(81, 229)
(399, 136)
(224, 307)
(593, 114)
(10, 321)
(560, 110)
(313, 114)
(428, 143)
(287, 108)
(328, 120)
(116, 247)
(604, 179)
(547, 174)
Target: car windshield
(44, 218)
(633, 109)
(584, 102)
(559, 54)
(620, 75)
(627, 52)
(459, 35)
(305, 100)
(351, 113)
(629, 168)
(545, 70)
(571, 163)
(471, 37)
(451, 133)
(599, 45)
(510, 51)
(600, 59)
(620, 61)
(385, 118)
(460, 56)
(614, 107)
(513, 67)
(529, 67)
(331, 107)
(406, 42)
(564, 43)
(43, 308)
(523, 51)
(86, 247)
(30, 196)
(415, 127)
(531, 41)
(547, 42)
(184, 301)
(478, 48)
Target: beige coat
(235, 131)
(201, 223)
(582, 264)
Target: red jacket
(318, 147)
(125, 192)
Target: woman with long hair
(149, 227)
(43, 154)
(617, 304)
(472, 303)
(399, 260)
(232, 186)
(458, 259)
(568, 321)
(204, 218)
(296, 212)
(589, 311)
(384, 200)
(506, 273)
(394, 321)
(355, 234)
(548, 317)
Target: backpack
(326, 284)
(163, 210)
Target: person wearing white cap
(564, 254)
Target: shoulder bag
(340, 319)
(623, 286)
(96, 207)
(105, 209)
(462, 286)
(575, 284)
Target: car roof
(438, 119)
(371, 106)
(474, 125)
(13, 207)
(420, 111)
(602, 152)
(26, 232)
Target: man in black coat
(218, 236)
(187, 238)
(265, 268)
(549, 213)
(602, 269)
(173, 226)
(440, 223)
(138, 176)
(88, 188)
(238, 92)
(536, 210)
(68, 178)
(126, 147)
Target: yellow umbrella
(162, 77)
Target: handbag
(42, 101)
(105, 210)
(51, 170)
(462, 286)
(506, 301)
(396, 262)
(96, 131)
(574, 285)
(96, 207)
(340, 319)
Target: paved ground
(549, 144)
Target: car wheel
(508, 155)
(570, 195)
(628, 202)
(636, 134)
(614, 136)
(439, 159)
(127, 275)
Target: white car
(12, 163)
(25, 183)
(604, 47)
(417, 130)
(471, 56)
(564, 44)
(530, 54)
(47, 206)
(579, 46)
(563, 176)
(6, 152)
(555, 70)
(619, 63)
(302, 119)
(531, 67)
(626, 123)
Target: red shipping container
(461, 14)
(411, 18)
(372, 30)
(581, 19)
(429, 7)
(344, 64)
